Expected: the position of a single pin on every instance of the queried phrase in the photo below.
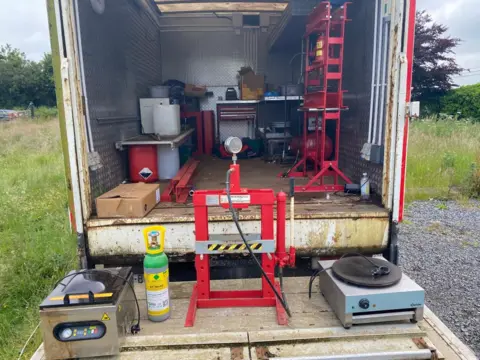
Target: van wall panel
(212, 56)
(121, 51)
(357, 81)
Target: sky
(26, 28)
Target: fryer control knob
(364, 303)
(66, 333)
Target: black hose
(280, 276)
(237, 224)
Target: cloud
(461, 17)
(24, 25)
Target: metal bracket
(413, 109)
(94, 161)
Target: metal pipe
(378, 73)
(319, 162)
(281, 225)
(292, 212)
(423, 354)
(375, 26)
(300, 79)
(77, 202)
(71, 105)
(383, 85)
(83, 81)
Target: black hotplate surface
(358, 270)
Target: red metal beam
(184, 185)
(173, 185)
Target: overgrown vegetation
(23, 81)
(46, 112)
(443, 159)
(463, 102)
(36, 245)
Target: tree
(23, 81)
(434, 63)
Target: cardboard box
(128, 200)
(195, 91)
(251, 85)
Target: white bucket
(168, 162)
(166, 120)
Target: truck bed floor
(253, 333)
(255, 174)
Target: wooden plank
(215, 1)
(333, 348)
(221, 7)
(449, 344)
(221, 353)
(312, 330)
(309, 316)
(39, 354)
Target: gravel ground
(440, 249)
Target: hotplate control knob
(364, 304)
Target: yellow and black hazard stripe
(233, 247)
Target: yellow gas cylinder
(155, 266)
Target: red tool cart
(323, 98)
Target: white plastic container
(166, 120)
(168, 162)
(159, 91)
(146, 112)
(365, 187)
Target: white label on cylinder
(158, 300)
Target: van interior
(237, 69)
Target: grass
(46, 112)
(440, 159)
(36, 244)
(442, 206)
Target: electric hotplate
(358, 295)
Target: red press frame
(202, 295)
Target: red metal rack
(323, 98)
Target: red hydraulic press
(323, 98)
(273, 253)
